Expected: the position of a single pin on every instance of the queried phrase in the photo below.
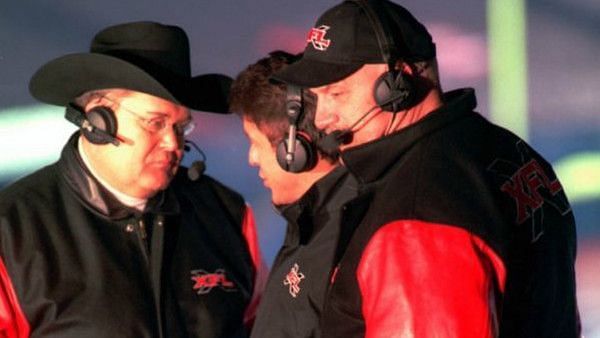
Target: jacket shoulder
(33, 188)
(210, 192)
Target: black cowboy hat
(142, 56)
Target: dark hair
(254, 97)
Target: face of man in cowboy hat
(150, 131)
(141, 71)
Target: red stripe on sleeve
(261, 269)
(420, 279)
(13, 323)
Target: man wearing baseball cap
(114, 239)
(297, 192)
(459, 228)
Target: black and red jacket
(459, 229)
(74, 262)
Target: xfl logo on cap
(316, 36)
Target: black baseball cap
(344, 39)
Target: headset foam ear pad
(304, 157)
(392, 91)
(382, 89)
(102, 118)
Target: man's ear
(404, 67)
(94, 101)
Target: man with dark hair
(459, 228)
(295, 292)
(114, 239)
(262, 107)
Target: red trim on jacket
(13, 323)
(420, 279)
(261, 269)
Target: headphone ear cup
(382, 89)
(102, 118)
(305, 156)
(393, 91)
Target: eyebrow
(156, 114)
(331, 87)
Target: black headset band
(378, 18)
(293, 104)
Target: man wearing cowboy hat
(114, 240)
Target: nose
(324, 116)
(171, 140)
(252, 157)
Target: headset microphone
(197, 168)
(330, 143)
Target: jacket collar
(367, 162)
(311, 212)
(313, 197)
(97, 198)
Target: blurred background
(534, 65)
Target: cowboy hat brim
(61, 80)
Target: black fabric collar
(97, 198)
(367, 162)
(311, 212)
(315, 197)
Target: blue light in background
(32, 136)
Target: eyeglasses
(158, 124)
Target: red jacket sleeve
(261, 269)
(420, 279)
(13, 323)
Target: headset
(198, 167)
(296, 152)
(393, 90)
(99, 125)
